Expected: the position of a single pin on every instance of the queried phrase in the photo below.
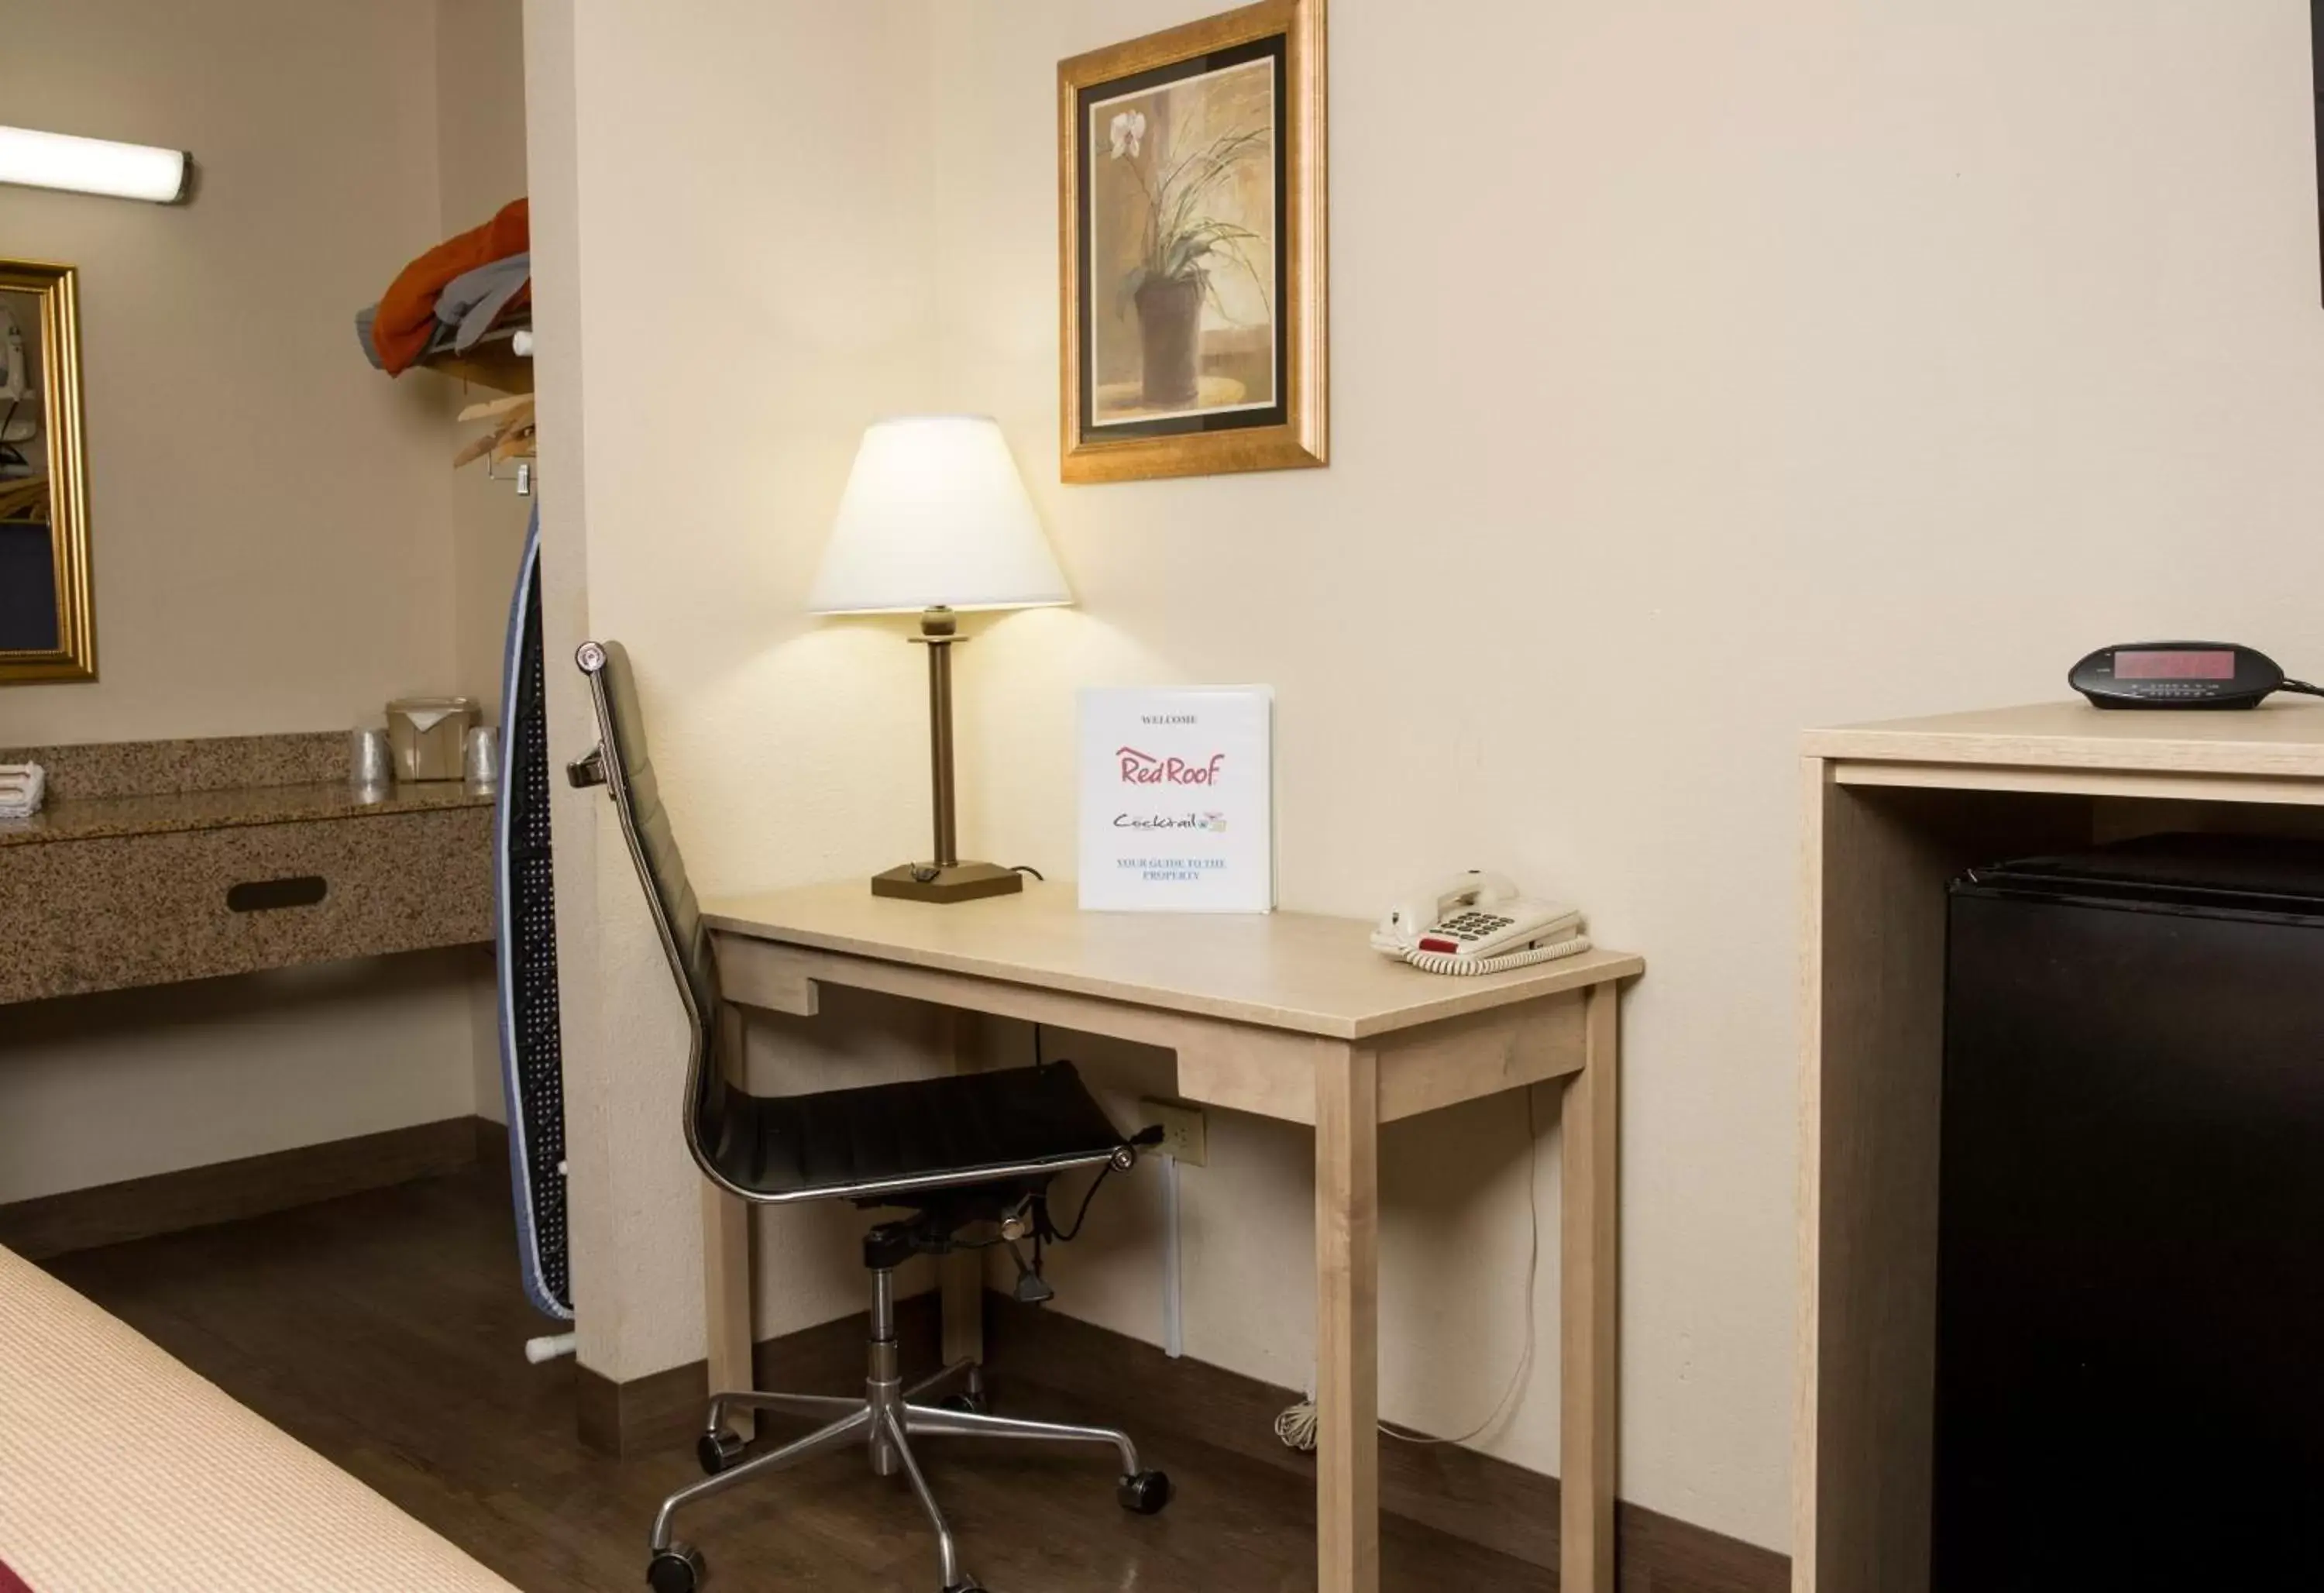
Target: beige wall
(103, 1088)
(267, 512)
(273, 523)
(667, 265)
(1719, 371)
(480, 162)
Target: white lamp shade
(936, 515)
(92, 165)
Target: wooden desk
(1285, 1015)
(1892, 811)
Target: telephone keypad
(1473, 925)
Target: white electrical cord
(1174, 1299)
(1441, 962)
(1296, 1427)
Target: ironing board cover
(533, 1065)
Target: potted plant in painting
(1183, 241)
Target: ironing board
(533, 1065)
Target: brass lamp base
(958, 882)
(947, 879)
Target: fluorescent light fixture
(92, 165)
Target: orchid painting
(1191, 335)
(1183, 204)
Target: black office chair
(973, 1150)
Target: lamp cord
(1067, 1237)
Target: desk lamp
(936, 520)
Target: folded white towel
(21, 786)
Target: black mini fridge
(2130, 1312)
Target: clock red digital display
(2188, 664)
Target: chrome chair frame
(885, 1421)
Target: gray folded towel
(363, 319)
(474, 300)
(438, 340)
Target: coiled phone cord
(1441, 962)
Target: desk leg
(1591, 1275)
(961, 1274)
(726, 1258)
(1347, 1321)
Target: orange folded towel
(407, 310)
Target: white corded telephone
(1476, 923)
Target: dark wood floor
(386, 1331)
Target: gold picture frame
(1191, 223)
(50, 445)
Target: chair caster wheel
(968, 1405)
(678, 1568)
(965, 1585)
(717, 1450)
(1145, 1494)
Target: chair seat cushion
(960, 1129)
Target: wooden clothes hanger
(492, 409)
(513, 437)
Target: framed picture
(1191, 223)
(48, 616)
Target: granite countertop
(80, 819)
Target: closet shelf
(492, 364)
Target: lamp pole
(944, 877)
(939, 628)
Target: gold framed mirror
(48, 617)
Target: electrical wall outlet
(1185, 1137)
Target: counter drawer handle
(265, 896)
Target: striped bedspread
(123, 1472)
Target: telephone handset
(1476, 923)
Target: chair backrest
(626, 768)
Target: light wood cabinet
(1891, 813)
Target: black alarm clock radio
(2181, 674)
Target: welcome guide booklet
(1177, 799)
